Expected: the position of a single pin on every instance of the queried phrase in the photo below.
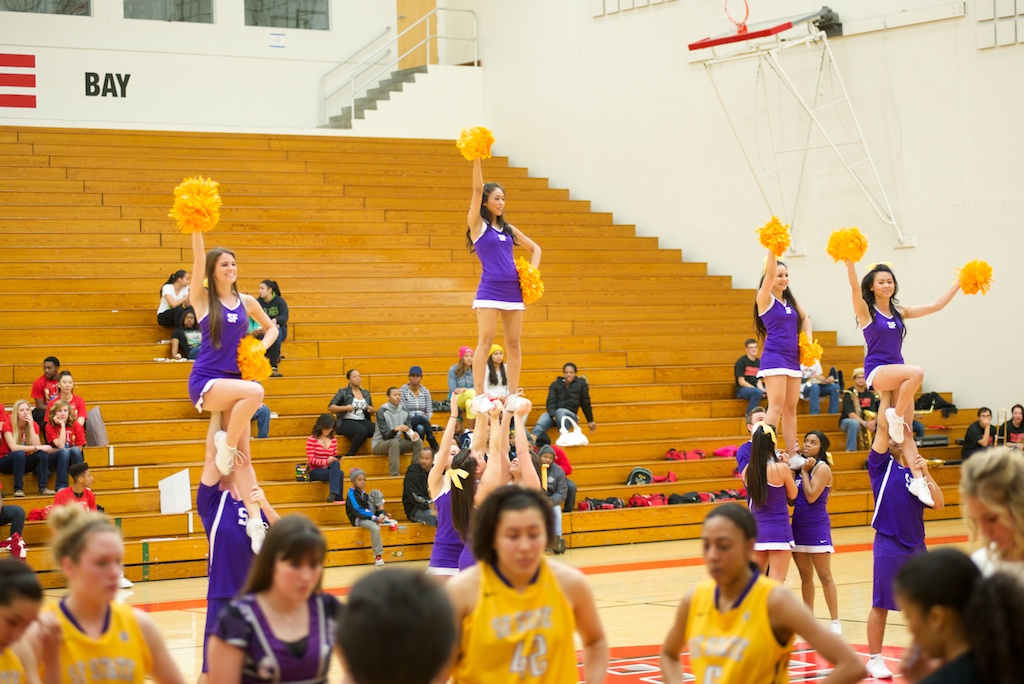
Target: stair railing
(327, 94)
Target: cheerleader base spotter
(495, 304)
(771, 372)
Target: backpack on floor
(615, 502)
(674, 455)
(594, 505)
(667, 477)
(689, 497)
(640, 476)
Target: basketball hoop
(741, 26)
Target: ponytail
(174, 276)
(272, 284)
(761, 454)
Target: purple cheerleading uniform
(781, 354)
(447, 546)
(774, 533)
(466, 557)
(266, 658)
(884, 339)
(743, 456)
(812, 527)
(499, 281)
(898, 521)
(218, 364)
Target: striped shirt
(317, 454)
(417, 406)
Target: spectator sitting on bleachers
(262, 418)
(979, 433)
(67, 436)
(556, 485)
(173, 299)
(187, 337)
(566, 396)
(366, 509)
(815, 383)
(857, 400)
(354, 412)
(420, 407)
(748, 385)
(496, 376)
(12, 515)
(322, 457)
(45, 389)
(1011, 433)
(21, 450)
(67, 393)
(460, 384)
(542, 445)
(276, 308)
(394, 435)
(416, 493)
(79, 491)
(754, 416)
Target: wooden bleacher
(87, 245)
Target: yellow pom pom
(775, 236)
(847, 244)
(975, 276)
(810, 351)
(196, 205)
(475, 143)
(252, 360)
(529, 281)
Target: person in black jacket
(566, 396)
(415, 494)
(277, 309)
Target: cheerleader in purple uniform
(499, 294)
(899, 528)
(444, 555)
(770, 485)
(881, 317)
(812, 527)
(778, 320)
(215, 383)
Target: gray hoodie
(389, 417)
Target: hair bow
(456, 476)
(768, 430)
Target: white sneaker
(797, 462)
(877, 669)
(378, 560)
(896, 425)
(225, 457)
(919, 488)
(481, 404)
(126, 583)
(515, 402)
(836, 627)
(257, 531)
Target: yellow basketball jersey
(737, 645)
(11, 669)
(119, 655)
(518, 637)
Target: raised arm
(938, 305)
(443, 456)
(473, 218)
(528, 244)
(531, 478)
(764, 293)
(199, 295)
(860, 307)
(496, 472)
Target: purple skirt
(889, 556)
(199, 382)
(811, 537)
(499, 294)
(771, 360)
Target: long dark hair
(869, 297)
(988, 609)
(485, 525)
(181, 273)
(324, 422)
(762, 452)
(272, 284)
(496, 375)
(292, 538)
(787, 297)
(216, 312)
(496, 221)
(462, 499)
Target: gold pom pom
(847, 244)
(475, 143)
(196, 205)
(975, 276)
(775, 236)
(810, 351)
(252, 360)
(529, 281)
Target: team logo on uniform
(789, 310)
(232, 318)
(892, 325)
(502, 238)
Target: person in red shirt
(66, 386)
(67, 437)
(21, 450)
(322, 455)
(79, 492)
(45, 388)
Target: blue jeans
(546, 422)
(18, 462)
(421, 424)
(918, 428)
(274, 353)
(332, 475)
(851, 428)
(423, 515)
(753, 395)
(262, 418)
(813, 392)
(59, 460)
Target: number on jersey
(535, 664)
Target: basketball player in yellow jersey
(517, 611)
(87, 638)
(739, 625)
(20, 600)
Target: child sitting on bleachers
(367, 510)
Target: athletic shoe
(46, 492)
(797, 462)
(225, 457)
(896, 425)
(481, 404)
(276, 374)
(560, 546)
(257, 531)
(919, 488)
(515, 402)
(877, 668)
(126, 583)
(836, 627)
(18, 493)
(334, 498)
(379, 560)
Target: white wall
(612, 108)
